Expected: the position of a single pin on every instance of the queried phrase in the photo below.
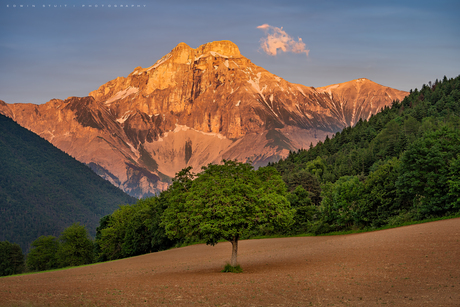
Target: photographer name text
(76, 5)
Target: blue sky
(56, 52)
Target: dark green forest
(43, 190)
(402, 165)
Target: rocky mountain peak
(226, 48)
(182, 54)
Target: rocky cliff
(191, 108)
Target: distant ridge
(43, 190)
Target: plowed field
(415, 265)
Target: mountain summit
(194, 107)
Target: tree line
(74, 247)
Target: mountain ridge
(194, 107)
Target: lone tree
(225, 202)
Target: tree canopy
(43, 255)
(76, 247)
(11, 258)
(226, 202)
(132, 230)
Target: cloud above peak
(277, 38)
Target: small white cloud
(277, 38)
(264, 26)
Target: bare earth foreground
(415, 265)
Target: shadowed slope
(43, 190)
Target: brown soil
(416, 265)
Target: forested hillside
(401, 164)
(43, 190)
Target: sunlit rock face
(191, 108)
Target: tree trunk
(234, 262)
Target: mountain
(43, 190)
(191, 108)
